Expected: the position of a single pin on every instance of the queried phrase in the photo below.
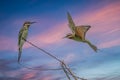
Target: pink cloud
(109, 43)
(103, 19)
(112, 31)
(51, 36)
(7, 43)
(29, 76)
(105, 24)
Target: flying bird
(23, 33)
(79, 32)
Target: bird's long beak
(32, 22)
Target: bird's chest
(25, 33)
(77, 38)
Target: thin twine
(64, 66)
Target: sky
(48, 33)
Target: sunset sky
(48, 33)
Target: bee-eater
(79, 32)
(23, 33)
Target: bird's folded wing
(20, 36)
(71, 23)
(81, 31)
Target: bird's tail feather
(19, 54)
(92, 46)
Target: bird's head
(28, 23)
(69, 36)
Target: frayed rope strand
(65, 68)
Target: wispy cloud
(105, 24)
(29, 76)
(103, 20)
(7, 43)
(109, 44)
(51, 36)
(11, 71)
(69, 58)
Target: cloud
(69, 58)
(104, 20)
(49, 77)
(109, 44)
(7, 43)
(29, 76)
(111, 77)
(105, 24)
(9, 72)
(51, 36)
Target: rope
(43, 50)
(65, 68)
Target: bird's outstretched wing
(71, 23)
(80, 31)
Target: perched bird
(79, 33)
(23, 35)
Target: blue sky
(51, 27)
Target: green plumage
(79, 32)
(23, 33)
(76, 38)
